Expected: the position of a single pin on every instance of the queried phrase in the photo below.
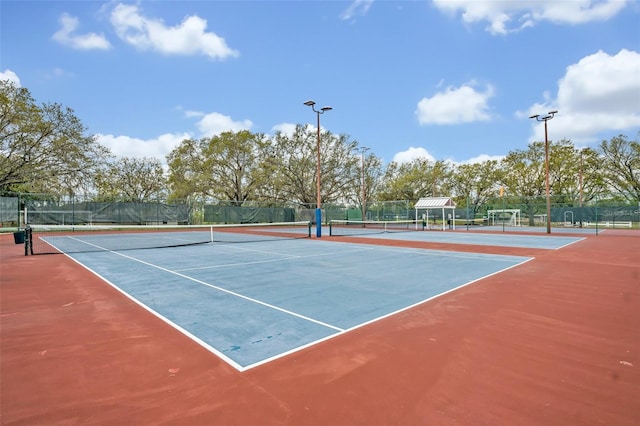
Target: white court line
(569, 243)
(231, 245)
(162, 318)
(284, 258)
(226, 265)
(485, 239)
(293, 350)
(454, 254)
(339, 331)
(233, 293)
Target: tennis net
(51, 239)
(363, 227)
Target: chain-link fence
(610, 211)
(18, 209)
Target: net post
(27, 239)
(318, 222)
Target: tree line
(45, 148)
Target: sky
(453, 80)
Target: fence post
(18, 212)
(596, 199)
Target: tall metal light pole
(546, 118)
(318, 196)
(363, 149)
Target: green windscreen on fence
(234, 214)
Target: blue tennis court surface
(253, 302)
(463, 237)
(534, 229)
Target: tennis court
(535, 229)
(497, 240)
(410, 232)
(380, 329)
(253, 302)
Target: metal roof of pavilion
(435, 202)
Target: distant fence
(520, 211)
(16, 211)
(9, 211)
(532, 211)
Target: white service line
(284, 258)
(250, 299)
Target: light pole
(363, 149)
(318, 197)
(546, 118)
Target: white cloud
(11, 76)
(55, 73)
(188, 38)
(311, 128)
(504, 16)
(190, 113)
(482, 158)
(411, 154)
(577, 12)
(126, 146)
(285, 128)
(599, 93)
(66, 36)
(215, 123)
(454, 105)
(209, 125)
(357, 7)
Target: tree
(230, 166)
(43, 148)
(370, 180)
(187, 177)
(132, 179)
(235, 162)
(524, 175)
(339, 165)
(419, 178)
(474, 184)
(294, 163)
(574, 174)
(620, 166)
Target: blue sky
(447, 79)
